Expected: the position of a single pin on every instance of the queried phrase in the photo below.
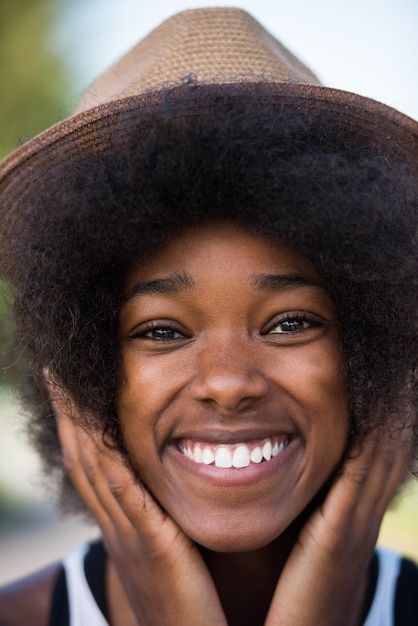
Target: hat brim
(93, 132)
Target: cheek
(150, 386)
(152, 378)
(317, 383)
(141, 391)
(329, 419)
(136, 405)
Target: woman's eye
(155, 332)
(293, 325)
(162, 333)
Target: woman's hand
(325, 578)
(161, 570)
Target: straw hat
(220, 48)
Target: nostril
(229, 389)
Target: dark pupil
(290, 325)
(163, 333)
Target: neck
(246, 581)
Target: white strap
(381, 612)
(82, 605)
(85, 612)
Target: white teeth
(207, 456)
(197, 454)
(267, 450)
(235, 455)
(256, 455)
(223, 457)
(241, 457)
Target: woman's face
(234, 411)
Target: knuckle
(388, 457)
(70, 461)
(360, 475)
(91, 471)
(117, 489)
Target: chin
(232, 537)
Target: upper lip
(231, 436)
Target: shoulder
(28, 601)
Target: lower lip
(231, 477)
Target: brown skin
(324, 578)
(233, 372)
(227, 358)
(27, 601)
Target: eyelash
(154, 326)
(307, 321)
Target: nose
(228, 379)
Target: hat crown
(214, 45)
(233, 58)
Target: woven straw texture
(218, 45)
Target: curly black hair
(304, 177)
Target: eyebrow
(174, 283)
(180, 282)
(281, 282)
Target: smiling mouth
(237, 456)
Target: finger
(145, 539)
(71, 449)
(118, 492)
(132, 496)
(380, 470)
(349, 484)
(369, 479)
(120, 504)
(83, 465)
(389, 467)
(107, 487)
(82, 460)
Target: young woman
(214, 267)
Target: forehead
(198, 249)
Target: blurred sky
(366, 46)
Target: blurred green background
(37, 81)
(35, 86)
(40, 76)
